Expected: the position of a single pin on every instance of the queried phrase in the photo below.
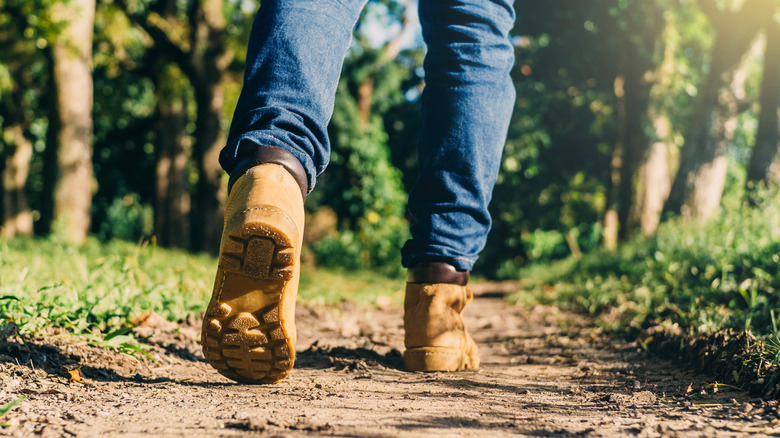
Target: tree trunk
(611, 217)
(208, 208)
(72, 70)
(698, 185)
(198, 48)
(631, 89)
(172, 206)
(365, 98)
(765, 161)
(654, 175)
(390, 50)
(209, 64)
(655, 179)
(17, 218)
(635, 139)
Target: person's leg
(466, 107)
(295, 53)
(277, 146)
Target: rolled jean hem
(245, 145)
(460, 263)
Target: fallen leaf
(75, 376)
(153, 320)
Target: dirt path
(545, 373)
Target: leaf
(119, 340)
(116, 333)
(75, 376)
(136, 349)
(8, 406)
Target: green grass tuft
(703, 277)
(95, 291)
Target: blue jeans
(294, 59)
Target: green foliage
(4, 409)
(365, 190)
(127, 219)
(702, 276)
(27, 30)
(361, 184)
(555, 171)
(320, 287)
(555, 175)
(96, 291)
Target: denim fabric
(295, 55)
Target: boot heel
(433, 359)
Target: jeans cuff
(276, 155)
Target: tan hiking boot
(248, 330)
(435, 337)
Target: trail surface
(545, 373)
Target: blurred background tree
(625, 110)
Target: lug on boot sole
(244, 335)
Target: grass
(4, 409)
(96, 291)
(704, 277)
(713, 286)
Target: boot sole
(433, 359)
(244, 335)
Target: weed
(8, 406)
(97, 290)
(701, 277)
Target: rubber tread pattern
(250, 345)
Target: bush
(722, 273)
(127, 219)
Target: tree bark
(611, 217)
(209, 63)
(698, 185)
(654, 175)
(198, 49)
(631, 89)
(210, 196)
(655, 179)
(365, 98)
(390, 50)
(765, 161)
(635, 140)
(73, 75)
(172, 206)
(17, 218)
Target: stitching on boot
(221, 286)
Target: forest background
(629, 113)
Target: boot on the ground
(248, 330)
(435, 337)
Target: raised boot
(248, 330)
(435, 337)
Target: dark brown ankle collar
(438, 272)
(276, 155)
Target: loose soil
(545, 373)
